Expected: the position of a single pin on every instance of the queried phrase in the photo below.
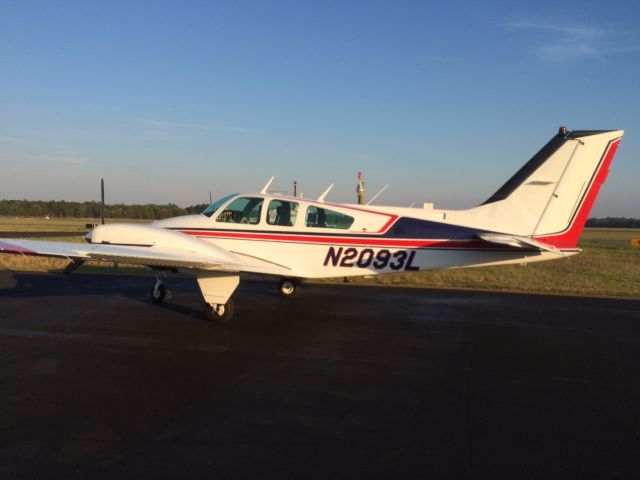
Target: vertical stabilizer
(550, 197)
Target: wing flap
(149, 261)
(155, 256)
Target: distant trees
(64, 209)
(613, 222)
(193, 209)
(150, 211)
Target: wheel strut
(159, 292)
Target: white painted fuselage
(380, 240)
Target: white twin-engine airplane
(537, 215)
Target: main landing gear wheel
(219, 313)
(288, 287)
(158, 293)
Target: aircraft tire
(214, 316)
(158, 296)
(288, 287)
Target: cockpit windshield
(211, 209)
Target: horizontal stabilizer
(518, 242)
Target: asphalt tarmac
(339, 382)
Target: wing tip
(8, 247)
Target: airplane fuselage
(352, 240)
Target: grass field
(608, 266)
(47, 264)
(28, 224)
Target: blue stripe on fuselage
(407, 227)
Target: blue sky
(444, 101)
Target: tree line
(613, 222)
(150, 211)
(64, 209)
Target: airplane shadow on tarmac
(17, 284)
(36, 285)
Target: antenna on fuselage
(325, 193)
(264, 189)
(377, 194)
(360, 188)
(210, 198)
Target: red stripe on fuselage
(369, 242)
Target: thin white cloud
(557, 42)
(557, 52)
(574, 31)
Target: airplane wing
(517, 241)
(157, 256)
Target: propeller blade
(102, 198)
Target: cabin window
(324, 218)
(242, 210)
(213, 208)
(282, 213)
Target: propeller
(102, 199)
